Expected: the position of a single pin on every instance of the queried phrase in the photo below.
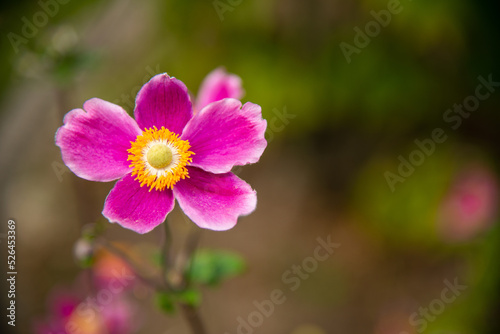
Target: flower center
(159, 158)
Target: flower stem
(190, 312)
(167, 243)
(118, 252)
(191, 245)
(193, 319)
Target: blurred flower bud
(64, 39)
(84, 252)
(470, 207)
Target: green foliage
(67, 66)
(406, 216)
(189, 297)
(211, 267)
(165, 302)
(86, 262)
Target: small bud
(84, 252)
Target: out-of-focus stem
(191, 245)
(193, 319)
(167, 244)
(150, 282)
(190, 312)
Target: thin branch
(166, 254)
(191, 246)
(191, 312)
(193, 319)
(148, 281)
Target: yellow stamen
(159, 158)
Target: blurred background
(353, 91)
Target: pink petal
(135, 207)
(219, 85)
(163, 101)
(222, 135)
(62, 303)
(94, 141)
(214, 201)
(119, 316)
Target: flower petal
(94, 141)
(219, 85)
(135, 207)
(222, 136)
(163, 101)
(214, 201)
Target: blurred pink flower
(470, 206)
(218, 85)
(63, 303)
(69, 314)
(110, 270)
(118, 317)
(62, 316)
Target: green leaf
(210, 267)
(165, 302)
(190, 297)
(86, 262)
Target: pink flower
(115, 316)
(110, 270)
(167, 152)
(62, 303)
(471, 205)
(119, 317)
(218, 85)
